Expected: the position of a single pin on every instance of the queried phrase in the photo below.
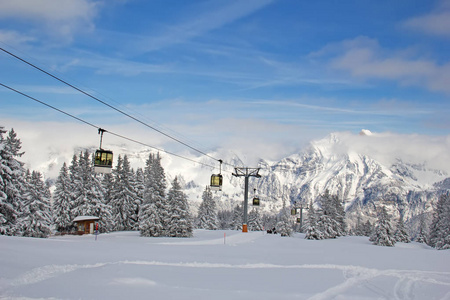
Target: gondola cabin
(103, 161)
(216, 182)
(255, 201)
(293, 211)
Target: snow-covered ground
(250, 265)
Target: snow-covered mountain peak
(365, 132)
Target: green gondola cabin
(103, 161)
(216, 182)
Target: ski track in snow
(353, 275)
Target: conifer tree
(139, 188)
(284, 225)
(383, 234)
(331, 222)
(36, 217)
(254, 220)
(422, 234)
(238, 213)
(327, 226)
(358, 229)
(367, 229)
(77, 187)
(108, 187)
(149, 221)
(88, 191)
(123, 204)
(400, 234)
(312, 231)
(62, 201)
(11, 181)
(440, 225)
(207, 213)
(180, 222)
(225, 219)
(154, 216)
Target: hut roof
(85, 218)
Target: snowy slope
(252, 265)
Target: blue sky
(270, 75)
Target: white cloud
(435, 23)
(53, 143)
(364, 58)
(386, 147)
(15, 38)
(202, 19)
(62, 18)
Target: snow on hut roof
(85, 218)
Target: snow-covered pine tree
(312, 231)
(339, 216)
(327, 226)
(269, 222)
(89, 192)
(422, 233)
(115, 200)
(400, 234)
(180, 222)
(225, 219)
(159, 192)
(108, 187)
(154, 215)
(139, 187)
(332, 220)
(254, 220)
(284, 225)
(358, 229)
(123, 206)
(207, 212)
(77, 187)
(238, 213)
(149, 221)
(440, 225)
(36, 216)
(11, 181)
(367, 229)
(383, 234)
(62, 206)
(107, 183)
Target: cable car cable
(97, 127)
(105, 96)
(109, 105)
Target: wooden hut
(86, 224)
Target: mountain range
(349, 166)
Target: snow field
(254, 265)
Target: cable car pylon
(246, 172)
